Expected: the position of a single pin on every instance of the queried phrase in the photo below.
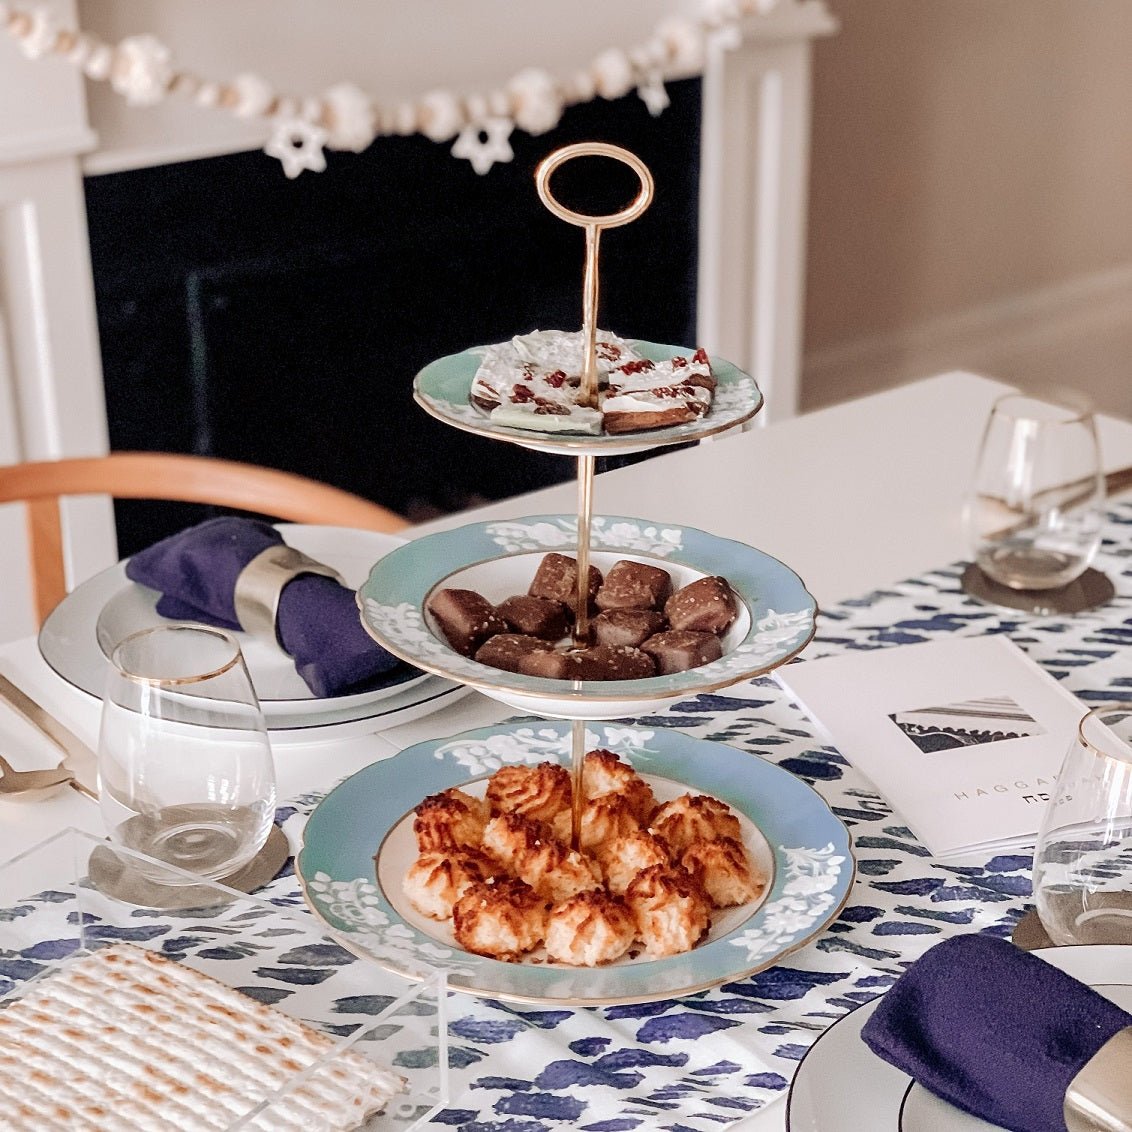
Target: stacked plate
(79, 635)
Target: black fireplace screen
(282, 322)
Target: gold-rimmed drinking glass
(185, 768)
(1083, 858)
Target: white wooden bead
(684, 40)
(142, 70)
(441, 116)
(253, 95)
(613, 73)
(581, 88)
(286, 107)
(537, 103)
(405, 119)
(80, 50)
(36, 35)
(499, 104)
(99, 62)
(476, 108)
(349, 116)
(208, 94)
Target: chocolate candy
(617, 662)
(466, 618)
(680, 649)
(633, 585)
(704, 606)
(534, 616)
(557, 580)
(602, 662)
(506, 650)
(626, 626)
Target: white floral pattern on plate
(619, 535)
(369, 811)
(806, 899)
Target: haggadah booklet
(964, 737)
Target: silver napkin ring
(261, 581)
(1099, 1098)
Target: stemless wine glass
(1034, 514)
(1083, 859)
(185, 768)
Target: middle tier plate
(777, 615)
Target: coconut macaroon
(589, 929)
(448, 820)
(623, 857)
(528, 850)
(724, 871)
(694, 817)
(604, 818)
(541, 792)
(501, 919)
(671, 910)
(604, 773)
(437, 879)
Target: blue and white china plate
(842, 1086)
(78, 633)
(442, 389)
(803, 846)
(499, 558)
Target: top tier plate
(442, 388)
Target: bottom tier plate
(358, 844)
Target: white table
(851, 497)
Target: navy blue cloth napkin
(317, 623)
(994, 1030)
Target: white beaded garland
(140, 68)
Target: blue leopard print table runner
(699, 1063)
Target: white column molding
(51, 396)
(753, 186)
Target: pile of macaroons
(645, 877)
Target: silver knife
(78, 758)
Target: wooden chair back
(168, 476)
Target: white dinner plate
(842, 1086)
(77, 635)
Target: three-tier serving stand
(741, 401)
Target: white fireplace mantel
(754, 165)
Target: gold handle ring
(594, 149)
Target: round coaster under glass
(113, 876)
(1029, 934)
(1090, 591)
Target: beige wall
(971, 195)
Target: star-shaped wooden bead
(484, 143)
(298, 146)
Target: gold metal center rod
(585, 520)
(577, 762)
(590, 288)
